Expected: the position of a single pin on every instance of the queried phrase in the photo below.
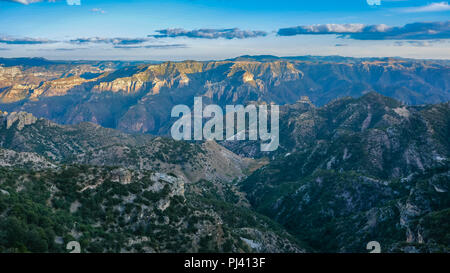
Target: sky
(219, 29)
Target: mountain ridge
(356, 170)
(138, 98)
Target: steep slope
(358, 170)
(119, 210)
(374, 134)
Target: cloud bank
(119, 43)
(113, 41)
(125, 43)
(232, 33)
(419, 43)
(24, 41)
(414, 31)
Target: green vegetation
(41, 211)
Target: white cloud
(374, 2)
(334, 28)
(74, 2)
(229, 33)
(433, 7)
(24, 41)
(413, 31)
(114, 41)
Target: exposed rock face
(126, 85)
(15, 93)
(9, 75)
(22, 119)
(59, 87)
(161, 179)
(9, 158)
(23, 79)
(149, 78)
(304, 99)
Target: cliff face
(138, 98)
(149, 78)
(59, 87)
(20, 81)
(20, 119)
(16, 92)
(9, 76)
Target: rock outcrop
(21, 119)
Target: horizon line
(225, 59)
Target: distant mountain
(139, 97)
(42, 62)
(359, 170)
(26, 62)
(335, 59)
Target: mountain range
(85, 156)
(137, 97)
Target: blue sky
(217, 29)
